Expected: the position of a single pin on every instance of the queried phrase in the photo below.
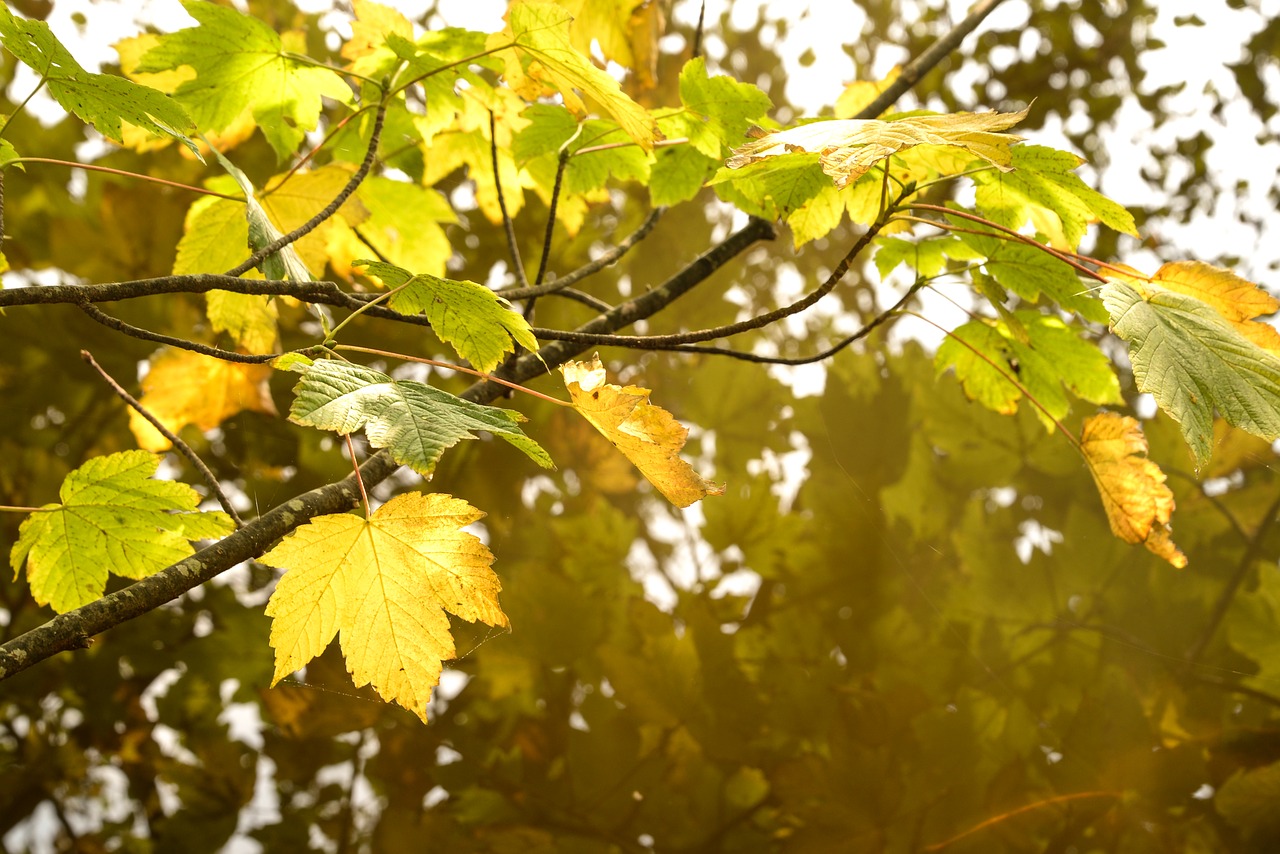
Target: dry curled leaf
(647, 435)
(1138, 503)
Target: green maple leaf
(719, 110)
(775, 187)
(1043, 356)
(412, 420)
(1194, 361)
(241, 64)
(404, 223)
(1030, 272)
(552, 128)
(1043, 182)
(926, 257)
(542, 52)
(113, 518)
(474, 320)
(8, 154)
(102, 100)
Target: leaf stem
(609, 146)
(18, 109)
(370, 304)
(302, 59)
(481, 374)
(364, 496)
(182, 446)
(333, 131)
(464, 61)
(10, 508)
(91, 167)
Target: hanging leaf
(648, 435)
(101, 100)
(1041, 352)
(113, 519)
(187, 388)
(1132, 487)
(848, 148)
(1193, 361)
(478, 323)
(412, 420)
(383, 586)
(242, 65)
(544, 53)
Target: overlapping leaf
(1031, 272)
(101, 100)
(543, 52)
(383, 585)
(112, 519)
(648, 435)
(241, 65)
(1044, 189)
(1042, 354)
(1138, 503)
(478, 323)
(848, 148)
(1194, 360)
(186, 388)
(412, 420)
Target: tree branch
(74, 629)
(181, 343)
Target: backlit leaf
(648, 435)
(478, 323)
(1193, 361)
(1134, 494)
(718, 110)
(187, 388)
(848, 148)
(240, 66)
(544, 53)
(102, 100)
(1044, 189)
(1030, 273)
(412, 420)
(112, 519)
(383, 586)
(367, 49)
(404, 224)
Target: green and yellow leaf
(187, 388)
(113, 518)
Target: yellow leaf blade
(383, 586)
(1134, 495)
(647, 435)
(186, 388)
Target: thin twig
(451, 367)
(182, 446)
(697, 32)
(517, 265)
(92, 167)
(1005, 816)
(924, 63)
(591, 268)
(329, 210)
(181, 343)
(551, 229)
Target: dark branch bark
(74, 629)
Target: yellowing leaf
(544, 53)
(367, 48)
(113, 518)
(648, 435)
(1132, 487)
(1238, 300)
(186, 388)
(860, 93)
(248, 318)
(383, 585)
(848, 148)
(240, 64)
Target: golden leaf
(647, 435)
(186, 388)
(1132, 487)
(1238, 300)
(861, 93)
(383, 585)
(848, 148)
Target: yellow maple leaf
(647, 435)
(382, 585)
(186, 388)
(848, 148)
(860, 93)
(1138, 503)
(292, 200)
(366, 50)
(1238, 300)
